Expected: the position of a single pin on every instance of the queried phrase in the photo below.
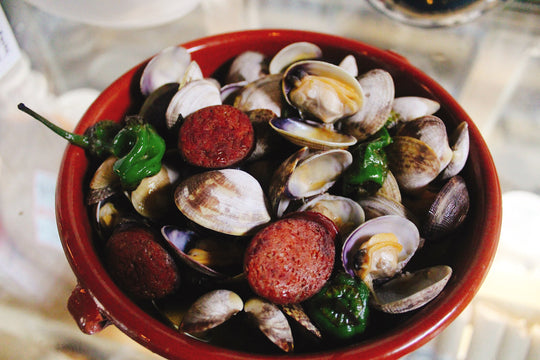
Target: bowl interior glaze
(470, 254)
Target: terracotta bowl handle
(83, 308)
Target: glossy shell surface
(470, 261)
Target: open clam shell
(306, 173)
(322, 91)
(229, 201)
(313, 135)
(407, 236)
(263, 93)
(292, 53)
(346, 213)
(411, 291)
(188, 245)
(211, 310)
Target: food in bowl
(289, 182)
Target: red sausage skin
(291, 259)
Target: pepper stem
(75, 139)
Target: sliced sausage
(140, 265)
(290, 260)
(216, 137)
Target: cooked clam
(322, 91)
(431, 130)
(410, 291)
(413, 163)
(209, 256)
(248, 66)
(230, 201)
(191, 97)
(459, 141)
(380, 248)
(350, 65)
(313, 135)
(168, 66)
(293, 53)
(272, 322)
(152, 197)
(378, 87)
(448, 210)
(104, 183)
(211, 310)
(263, 93)
(346, 213)
(306, 173)
(408, 108)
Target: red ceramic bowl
(97, 301)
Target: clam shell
(390, 188)
(152, 197)
(378, 87)
(321, 90)
(449, 209)
(211, 310)
(379, 205)
(272, 322)
(317, 172)
(104, 183)
(413, 162)
(263, 93)
(312, 135)
(406, 232)
(459, 142)
(248, 66)
(229, 201)
(168, 66)
(346, 213)
(350, 65)
(292, 53)
(411, 290)
(191, 97)
(431, 130)
(408, 108)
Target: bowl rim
(164, 340)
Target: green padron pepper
(340, 309)
(139, 149)
(370, 165)
(97, 139)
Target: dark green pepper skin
(370, 165)
(340, 309)
(139, 149)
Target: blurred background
(56, 56)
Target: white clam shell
(292, 53)
(169, 65)
(191, 97)
(406, 232)
(411, 291)
(272, 322)
(229, 201)
(408, 108)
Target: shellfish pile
(308, 117)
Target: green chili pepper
(139, 149)
(370, 165)
(97, 139)
(340, 309)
